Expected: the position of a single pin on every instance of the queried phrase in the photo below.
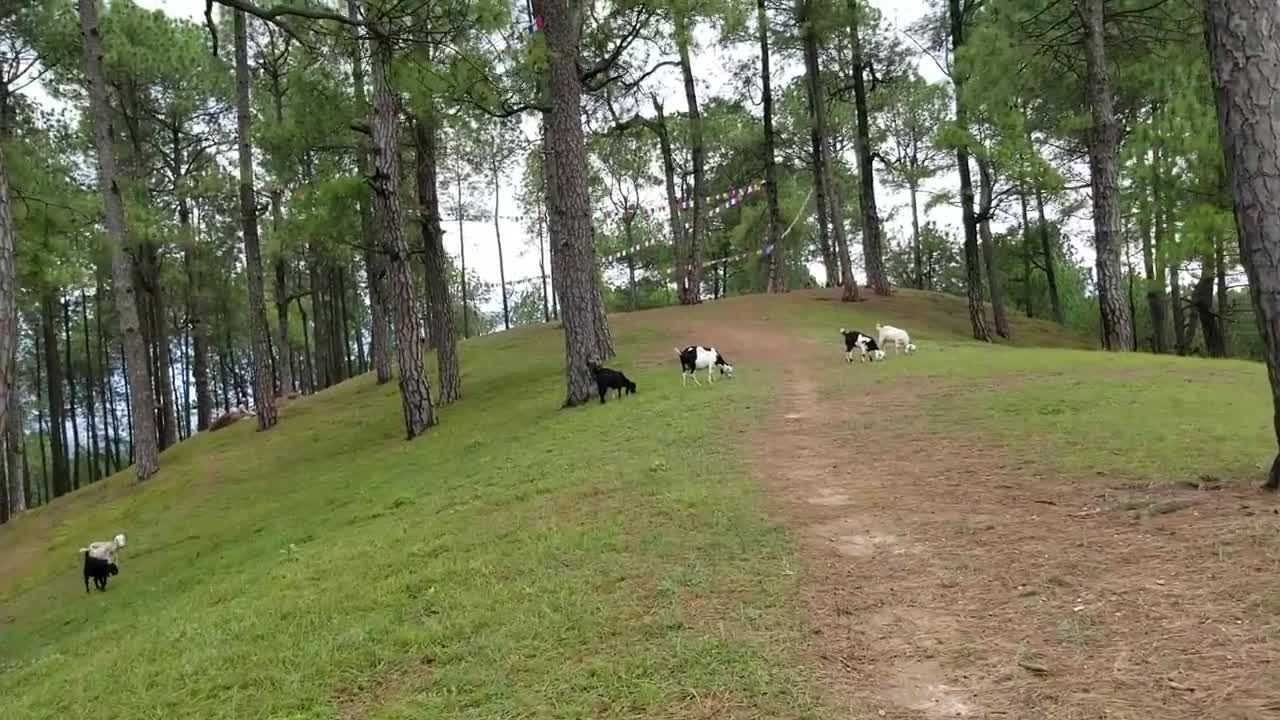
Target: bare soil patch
(948, 578)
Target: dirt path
(949, 579)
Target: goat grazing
(866, 345)
(697, 357)
(105, 550)
(899, 337)
(99, 570)
(607, 380)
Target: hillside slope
(623, 560)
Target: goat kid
(607, 380)
(98, 569)
(899, 337)
(697, 357)
(866, 345)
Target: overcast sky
(520, 250)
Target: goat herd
(698, 357)
(100, 557)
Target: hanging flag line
(716, 203)
(720, 202)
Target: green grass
(526, 561)
(519, 561)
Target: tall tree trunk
(497, 234)
(1224, 300)
(1046, 249)
(259, 343)
(986, 191)
(698, 154)
(634, 303)
(146, 450)
(284, 348)
(1026, 254)
(167, 414)
(8, 299)
(872, 232)
(678, 249)
(346, 322)
(45, 470)
(1155, 266)
(818, 120)
(917, 256)
(777, 271)
(96, 470)
(415, 390)
(57, 404)
(128, 407)
(306, 347)
(542, 269)
(69, 374)
(15, 451)
(107, 390)
(1202, 300)
(142, 430)
(972, 258)
(1104, 141)
(573, 255)
(439, 303)
(379, 328)
(462, 259)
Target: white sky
(520, 249)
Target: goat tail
(84, 550)
(677, 350)
(879, 326)
(843, 331)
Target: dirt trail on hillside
(947, 578)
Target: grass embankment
(519, 561)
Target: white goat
(105, 550)
(899, 337)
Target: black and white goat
(867, 347)
(98, 569)
(607, 379)
(697, 357)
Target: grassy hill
(520, 560)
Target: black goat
(99, 570)
(607, 380)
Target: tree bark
(45, 483)
(1046, 250)
(1026, 254)
(96, 471)
(462, 260)
(986, 191)
(1104, 141)
(57, 402)
(69, 375)
(8, 305)
(573, 258)
(698, 154)
(872, 232)
(284, 348)
(678, 250)
(497, 234)
(916, 251)
(1202, 301)
(260, 342)
(15, 451)
(1224, 300)
(415, 390)
(777, 257)
(1153, 259)
(379, 329)
(439, 303)
(140, 400)
(818, 120)
(972, 259)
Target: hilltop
(1034, 529)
